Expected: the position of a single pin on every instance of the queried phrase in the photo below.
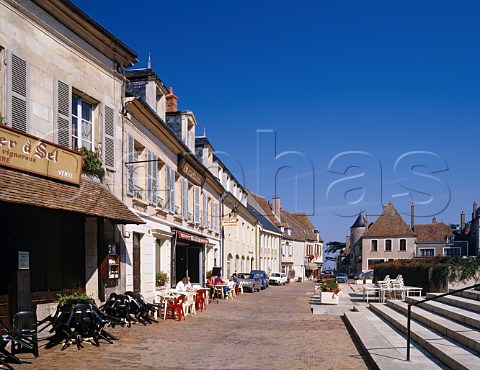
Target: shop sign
(191, 237)
(229, 221)
(189, 171)
(30, 154)
(23, 260)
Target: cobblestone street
(272, 329)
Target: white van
(278, 278)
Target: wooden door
(136, 262)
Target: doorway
(188, 262)
(136, 262)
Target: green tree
(335, 246)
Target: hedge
(432, 274)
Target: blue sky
(344, 105)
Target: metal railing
(409, 313)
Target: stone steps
(458, 301)
(455, 313)
(460, 333)
(453, 354)
(470, 294)
(386, 346)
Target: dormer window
(450, 240)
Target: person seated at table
(181, 285)
(230, 285)
(210, 281)
(219, 281)
(236, 279)
(237, 282)
(188, 285)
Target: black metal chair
(144, 312)
(25, 325)
(15, 339)
(118, 307)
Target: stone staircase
(445, 333)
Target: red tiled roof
(389, 224)
(299, 223)
(307, 225)
(268, 213)
(90, 198)
(432, 232)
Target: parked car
(250, 282)
(263, 277)
(278, 278)
(341, 277)
(323, 276)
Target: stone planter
(358, 282)
(368, 281)
(328, 298)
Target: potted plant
(369, 277)
(161, 279)
(91, 162)
(358, 279)
(329, 291)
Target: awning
(90, 198)
(311, 266)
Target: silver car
(341, 278)
(250, 282)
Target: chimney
(172, 101)
(474, 214)
(412, 217)
(276, 206)
(434, 220)
(366, 221)
(462, 221)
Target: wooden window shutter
(155, 198)
(205, 210)
(214, 216)
(196, 204)
(148, 180)
(131, 165)
(18, 104)
(63, 114)
(184, 198)
(170, 190)
(109, 137)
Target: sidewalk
(271, 329)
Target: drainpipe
(222, 230)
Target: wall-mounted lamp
(234, 212)
(126, 235)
